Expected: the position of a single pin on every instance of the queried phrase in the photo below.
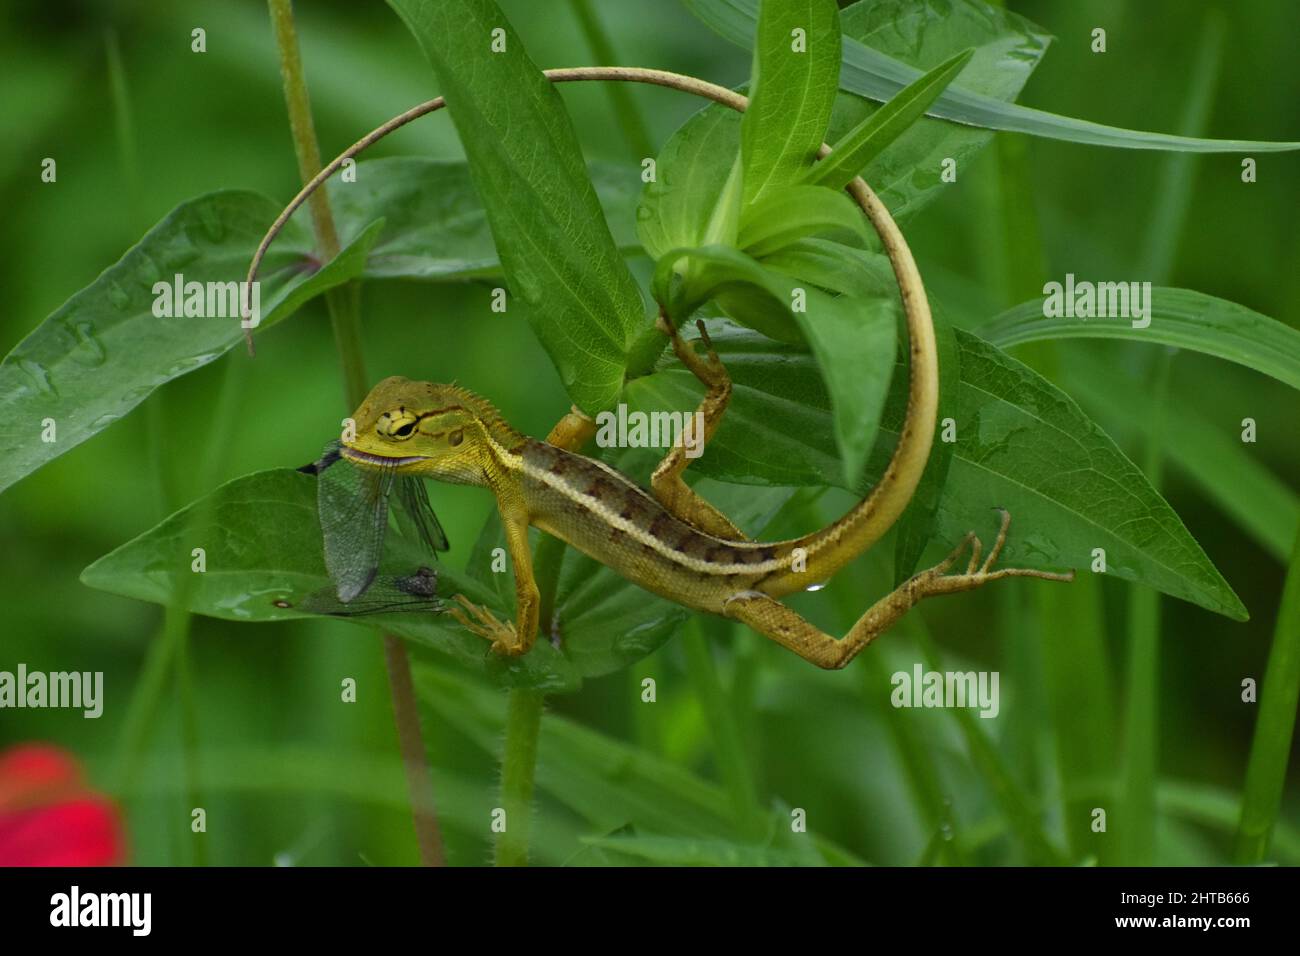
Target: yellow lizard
(671, 542)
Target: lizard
(668, 540)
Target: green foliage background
(253, 730)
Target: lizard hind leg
(773, 619)
(666, 483)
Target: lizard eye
(404, 431)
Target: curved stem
(676, 81)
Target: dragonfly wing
(353, 507)
(417, 517)
(388, 595)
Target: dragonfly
(353, 503)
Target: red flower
(49, 816)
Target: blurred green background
(286, 772)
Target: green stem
(518, 766)
(343, 303)
(524, 720)
(344, 309)
(1266, 773)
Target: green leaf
(262, 542)
(854, 340)
(692, 172)
(875, 74)
(1179, 317)
(1021, 444)
(556, 249)
(793, 89)
(836, 267)
(870, 137)
(102, 352)
(437, 228)
(1263, 506)
(781, 218)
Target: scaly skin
(670, 542)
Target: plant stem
(342, 303)
(518, 766)
(344, 309)
(1266, 772)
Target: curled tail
(827, 550)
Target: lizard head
(435, 431)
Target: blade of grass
(1278, 695)
(621, 102)
(1141, 706)
(923, 776)
(864, 142)
(1076, 674)
(1263, 505)
(1182, 318)
(728, 747)
(1174, 192)
(1022, 818)
(875, 75)
(169, 653)
(1139, 826)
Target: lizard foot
(479, 620)
(935, 580)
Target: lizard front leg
(666, 483)
(773, 619)
(573, 431)
(510, 640)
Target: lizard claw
(482, 622)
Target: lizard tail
(832, 547)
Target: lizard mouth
(365, 458)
